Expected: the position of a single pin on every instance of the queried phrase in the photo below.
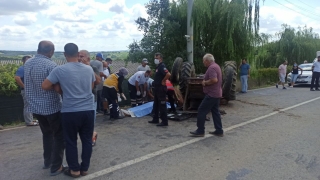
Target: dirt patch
(251, 103)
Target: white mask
(156, 61)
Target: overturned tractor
(190, 87)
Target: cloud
(90, 24)
(72, 11)
(117, 6)
(13, 31)
(271, 19)
(12, 7)
(25, 19)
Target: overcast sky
(107, 25)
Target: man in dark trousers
(45, 105)
(213, 92)
(160, 91)
(76, 81)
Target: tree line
(227, 28)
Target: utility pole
(189, 35)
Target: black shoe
(46, 166)
(99, 112)
(162, 124)
(196, 134)
(216, 133)
(153, 122)
(284, 88)
(119, 117)
(59, 172)
(105, 112)
(312, 89)
(276, 85)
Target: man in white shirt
(144, 65)
(315, 75)
(139, 78)
(282, 70)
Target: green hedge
(8, 85)
(267, 75)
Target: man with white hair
(213, 92)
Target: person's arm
(209, 81)
(98, 79)
(145, 86)
(47, 85)
(100, 69)
(120, 80)
(248, 71)
(150, 94)
(213, 78)
(166, 78)
(57, 88)
(19, 81)
(52, 79)
(137, 85)
(18, 76)
(300, 70)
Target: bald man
(84, 57)
(45, 105)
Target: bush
(266, 75)
(8, 85)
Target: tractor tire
(175, 72)
(187, 71)
(229, 80)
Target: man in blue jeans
(213, 92)
(244, 75)
(76, 83)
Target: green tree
(225, 28)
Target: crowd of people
(296, 71)
(65, 100)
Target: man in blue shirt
(76, 83)
(19, 77)
(244, 75)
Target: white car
(306, 76)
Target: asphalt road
(270, 134)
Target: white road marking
(12, 128)
(172, 148)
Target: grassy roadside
(13, 124)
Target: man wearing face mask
(160, 90)
(134, 83)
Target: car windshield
(306, 67)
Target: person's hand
(144, 94)
(138, 93)
(119, 99)
(163, 83)
(203, 83)
(123, 96)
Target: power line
(305, 3)
(295, 11)
(317, 15)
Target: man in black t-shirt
(160, 90)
